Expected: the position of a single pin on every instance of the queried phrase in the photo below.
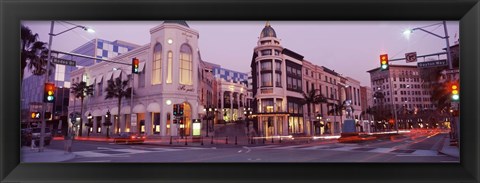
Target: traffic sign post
(64, 62)
(411, 57)
(436, 63)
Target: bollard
(202, 140)
(272, 139)
(280, 140)
(263, 140)
(226, 140)
(235, 140)
(170, 140)
(186, 139)
(211, 142)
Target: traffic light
(48, 115)
(49, 93)
(180, 112)
(175, 109)
(455, 91)
(384, 62)
(35, 115)
(135, 63)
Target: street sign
(453, 71)
(436, 63)
(64, 62)
(411, 57)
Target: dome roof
(176, 22)
(268, 31)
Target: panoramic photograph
(240, 91)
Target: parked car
(36, 136)
(129, 138)
(26, 138)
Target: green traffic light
(455, 97)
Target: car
(129, 138)
(36, 136)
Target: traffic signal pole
(49, 57)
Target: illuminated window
(186, 65)
(169, 66)
(157, 65)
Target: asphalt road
(413, 147)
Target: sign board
(411, 57)
(64, 62)
(453, 71)
(436, 63)
(196, 125)
(133, 120)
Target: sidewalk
(29, 155)
(449, 150)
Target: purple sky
(350, 48)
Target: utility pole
(42, 127)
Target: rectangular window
(278, 79)
(100, 88)
(266, 52)
(266, 65)
(267, 79)
(278, 66)
(141, 79)
(185, 68)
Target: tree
(118, 89)
(310, 98)
(33, 54)
(81, 90)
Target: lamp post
(394, 105)
(89, 117)
(107, 122)
(319, 118)
(209, 116)
(49, 57)
(247, 112)
(449, 57)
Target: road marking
(240, 151)
(382, 150)
(248, 149)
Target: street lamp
(408, 32)
(209, 116)
(247, 112)
(89, 118)
(394, 105)
(49, 57)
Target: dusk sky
(350, 48)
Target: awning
(140, 108)
(141, 66)
(125, 110)
(92, 80)
(108, 76)
(99, 79)
(104, 111)
(153, 107)
(114, 111)
(97, 113)
(116, 74)
(88, 112)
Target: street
(411, 147)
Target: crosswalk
(353, 148)
(126, 152)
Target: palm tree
(118, 89)
(33, 52)
(81, 90)
(310, 98)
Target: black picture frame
(12, 12)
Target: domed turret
(268, 31)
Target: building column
(95, 124)
(222, 105)
(285, 125)
(104, 128)
(163, 122)
(123, 122)
(231, 106)
(148, 123)
(275, 127)
(239, 110)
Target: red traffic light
(49, 93)
(135, 65)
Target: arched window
(157, 65)
(186, 65)
(169, 66)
